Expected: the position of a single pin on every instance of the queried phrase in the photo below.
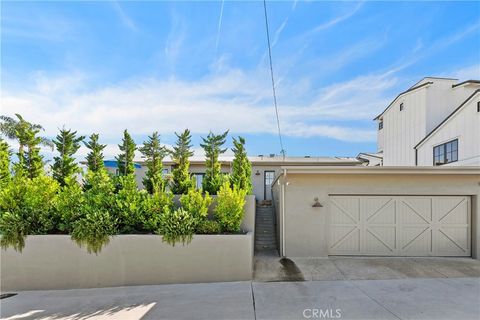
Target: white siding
(465, 126)
(404, 129)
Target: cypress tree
(64, 166)
(212, 145)
(241, 167)
(5, 154)
(95, 156)
(181, 153)
(125, 158)
(153, 152)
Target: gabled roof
(401, 94)
(466, 82)
(457, 110)
(433, 78)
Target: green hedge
(107, 206)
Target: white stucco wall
(307, 228)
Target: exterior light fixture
(316, 204)
(257, 173)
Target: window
(380, 125)
(198, 179)
(164, 172)
(402, 106)
(445, 153)
(478, 106)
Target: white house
(264, 169)
(434, 122)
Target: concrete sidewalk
(439, 298)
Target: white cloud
(466, 73)
(231, 99)
(124, 17)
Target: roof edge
(465, 82)
(446, 119)
(402, 93)
(384, 170)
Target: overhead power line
(273, 79)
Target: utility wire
(273, 79)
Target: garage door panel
(346, 211)
(414, 211)
(346, 240)
(416, 241)
(453, 241)
(452, 210)
(380, 240)
(380, 211)
(400, 225)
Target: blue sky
(165, 66)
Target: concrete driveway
(437, 298)
(269, 267)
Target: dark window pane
(449, 147)
(455, 145)
(455, 156)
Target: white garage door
(400, 225)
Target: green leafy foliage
(153, 152)
(229, 210)
(212, 145)
(95, 225)
(95, 155)
(208, 227)
(196, 203)
(30, 162)
(241, 176)
(64, 166)
(93, 231)
(5, 155)
(125, 158)
(69, 206)
(182, 182)
(129, 206)
(27, 207)
(154, 207)
(176, 226)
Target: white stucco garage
(378, 211)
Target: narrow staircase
(265, 229)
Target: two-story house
(434, 122)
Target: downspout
(283, 212)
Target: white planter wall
(56, 262)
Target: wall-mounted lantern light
(257, 173)
(316, 203)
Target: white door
(400, 225)
(268, 178)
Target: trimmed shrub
(94, 230)
(176, 225)
(196, 204)
(95, 226)
(129, 205)
(26, 207)
(208, 227)
(154, 207)
(229, 209)
(69, 206)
